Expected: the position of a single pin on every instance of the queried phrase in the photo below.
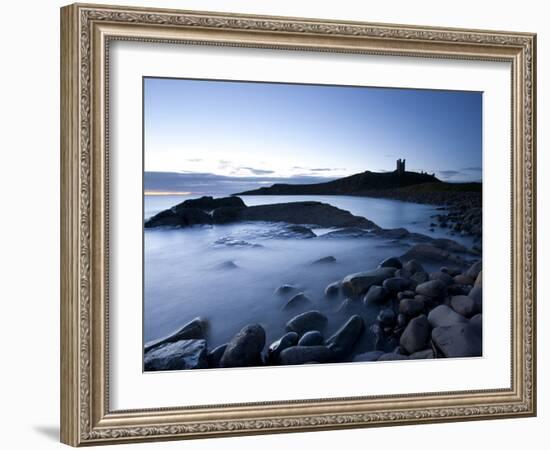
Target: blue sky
(268, 131)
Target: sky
(203, 132)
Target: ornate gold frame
(86, 31)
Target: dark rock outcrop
(416, 335)
(196, 329)
(245, 348)
(311, 338)
(183, 354)
(341, 343)
(307, 321)
(458, 341)
(287, 340)
(359, 283)
(305, 354)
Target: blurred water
(183, 278)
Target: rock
(303, 355)
(285, 289)
(184, 217)
(434, 289)
(420, 277)
(196, 329)
(215, 355)
(402, 320)
(274, 350)
(474, 270)
(227, 265)
(464, 305)
(311, 338)
(297, 301)
(392, 233)
(396, 284)
(476, 295)
(405, 294)
(458, 289)
(477, 323)
(463, 279)
(307, 321)
(209, 203)
(368, 356)
(341, 343)
(449, 245)
(479, 279)
(333, 289)
(411, 307)
(386, 317)
(347, 233)
(296, 231)
(376, 295)
(359, 283)
(183, 354)
(452, 271)
(416, 334)
(413, 266)
(402, 273)
(442, 276)
(423, 354)
(391, 262)
(245, 348)
(392, 357)
(348, 306)
(226, 214)
(426, 252)
(442, 316)
(457, 341)
(325, 260)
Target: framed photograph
(275, 224)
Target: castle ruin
(400, 169)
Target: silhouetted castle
(400, 169)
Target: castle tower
(400, 166)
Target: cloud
(462, 175)
(257, 171)
(449, 173)
(472, 169)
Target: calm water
(185, 275)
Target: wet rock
(207, 203)
(464, 305)
(333, 289)
(341, 343)
(359, 283)
(416, 334)
(286, 289)
(423, 354)
(392, 233)
(442, 276)
(426, 252)
(413, 266)
(433, 288)
(227, 265)
(307, 321)
(452, 271)
(411, 307)
(287, 340)
(442, 316)
(474, 270)
(325, 260)
(457, 341)
(347, 233)
(215, 355)
(402, 320)
(311, 338)
(184, 217)
(449, 245)
(245, 348)
(477, 322)
(391, 262)
(405, 294)
(392, 357)
(226, 214)
(349, 305)
(476, 295)
(479, 280)
(419, 277)
(183, 354)
(376, 295)
(458, 289)
(196, 329)
(396, 284)
(368, 356)
(297, 301)
(305, 354)
(463, 279)
(386, 317)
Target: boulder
(245, 349)
(226, 214)
(392, 357)
(479, 279)
(477, 323)
(227, 265)
(307, 321)
(405, 294)
(368, 356)
(393, 233)
(286, 289)
(325, 260)
(419, 277)
(376, 295)
(396, 284)
(183, 354)
(274, 350)
(349, 306)
(413, 266)
(463, 279)
(359, 283)
(184, 217)
(449, 245)
(341, 343)
(411, 307)
(297, 301)
(433, 289)
(452, 271)
(333, 289)
(386, 317)
(311, 338)
(464, 305)
(391, 262)
(402, 320)
(416, 335)
(476, 294)
(474, 270)
(442, 316)
(196, 329)
(215, 355)
(423, 354)
(305, 354)
(442, 276)
(426, 252)
(207, 203)
(458, 341)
